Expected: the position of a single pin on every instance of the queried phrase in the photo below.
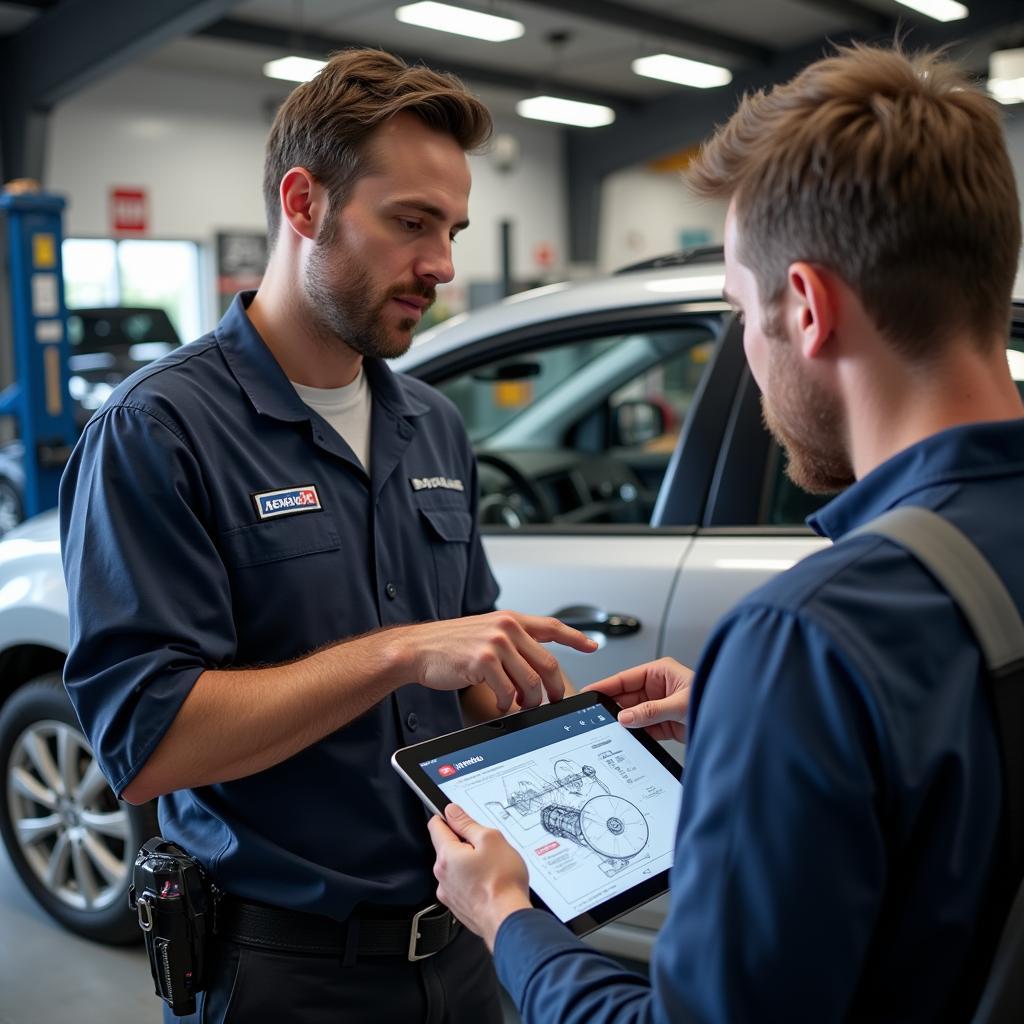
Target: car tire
(12, 511)
(70, 840)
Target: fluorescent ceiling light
(293, 69)
(940, 10)
(1007, 90)
(1006, 75)
(682, 71)
(460, 21)
(551, 108)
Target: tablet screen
(592, 812)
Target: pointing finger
(550, 630)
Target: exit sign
(128, 210)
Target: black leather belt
(369, 932)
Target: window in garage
(136, 272)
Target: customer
(240, 507)
(836, 858)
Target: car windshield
(492, 397)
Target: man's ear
(303, 202)
(812, 306)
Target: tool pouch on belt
(176, 905)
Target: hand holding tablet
(589, 806)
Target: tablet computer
(591, 806)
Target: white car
(628, 486)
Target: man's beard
(807, 422)
(340, 299)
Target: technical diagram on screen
(590, 806)
(574, 804)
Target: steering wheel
(525, 504)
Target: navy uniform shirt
(211, 520)
(842, 797)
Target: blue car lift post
(39, 398)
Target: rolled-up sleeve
(149, 598)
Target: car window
(789, 505)
(581, 431)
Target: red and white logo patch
(287, 501)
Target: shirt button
(412, 721)
(391, 590)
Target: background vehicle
(628, 486)
(107, 345)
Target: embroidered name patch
(287, 501)
(429, 483)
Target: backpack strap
(968, 577)
(965, 573)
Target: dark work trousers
(255, 986)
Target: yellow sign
(44, 252)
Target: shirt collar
(260, 375)
(952, 456)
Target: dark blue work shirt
(843, 797)
(173, 570)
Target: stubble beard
(807, 422)
(340, 300)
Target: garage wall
(195, 143)
(644, 213)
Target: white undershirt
(347, 409)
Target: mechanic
(242, 505)
(836, 857)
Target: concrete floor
(49, 976)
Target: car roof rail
(683, 258)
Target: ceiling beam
(855, 14)
(672, 29)
(76, 41)
(315, 44)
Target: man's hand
(481, 880)
(501, 650)
(654, 696)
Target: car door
(574, 538)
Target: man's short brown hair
(324, 124)
(892, 171)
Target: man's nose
(436, 264)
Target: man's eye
(453, 239)
(408, 225)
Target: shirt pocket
(449, 531)
(275, 540)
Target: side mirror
(635, 422)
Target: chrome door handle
(595, 620)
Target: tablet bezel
(406, 761)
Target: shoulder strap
(970, 580)
(965, 574)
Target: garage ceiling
(579, 49)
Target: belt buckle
(414, 933)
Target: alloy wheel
(70, 829)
